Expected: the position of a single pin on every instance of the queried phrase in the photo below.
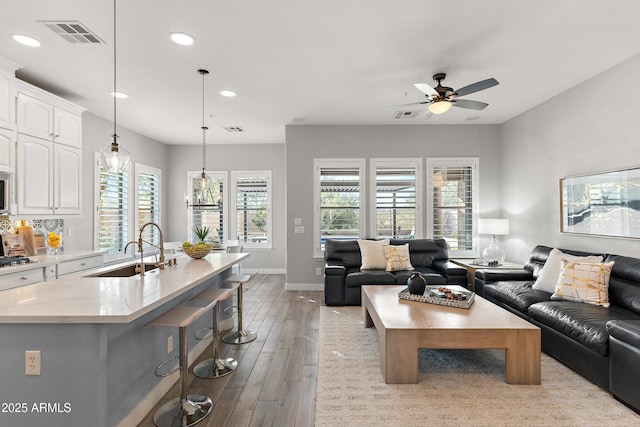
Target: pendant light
(201, 184)
(114, 158)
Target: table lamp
(493, 254)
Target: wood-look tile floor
(275, 382)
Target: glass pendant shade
(114, 158)
(440, 107)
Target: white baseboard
(304, 287)
(146, 405)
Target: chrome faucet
(140, 268)
(160, 263)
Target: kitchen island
(98, 358)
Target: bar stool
(241, 336)
(215, 367)
(188, 409)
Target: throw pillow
(550, 272)
(584, 282)
(372, 254)
(397, 257)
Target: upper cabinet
(7, 143)
(7, 93)
(40, 118)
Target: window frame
(473, 163)
(110, 256)
(414, 162)
(223, 176)
(318, 165)
(141, 168)
(233, 194)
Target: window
(148, 201)
(339, 200)
(112, 210)
(251, 205)
(395, 207)
(452, 187)
(208, 210)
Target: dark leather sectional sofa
(343, 276)
(602, 344)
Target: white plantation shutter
(252, 207)
(395, 205)
(452, 195)
(210, 211)
(113, 211)
(338, 201)
(148, 201)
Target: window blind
(251, 209)
(149, 205)
(208, 209)
(339, 203)
(396, 202)
(113, 211)
(452, 189)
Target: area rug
(456, 388)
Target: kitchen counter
(42, 261)
(81, 299)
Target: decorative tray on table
(449, 295)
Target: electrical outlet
(70, 232)
(32, 359)
(170, 344)
(318, 271)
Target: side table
(472, 268)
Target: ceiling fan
(441, 98)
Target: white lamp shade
(439, 107)
(496, 227)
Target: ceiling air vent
(406, 114)
(73, 32)
(234, 129)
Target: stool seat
(188, 409)
(238, 278)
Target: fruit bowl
(197, 251)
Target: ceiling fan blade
(406, 105)
(476, 87)
(426, 89)
(469, 104)
(425, 115)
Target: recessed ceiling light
(228, 93)
(26, 40)
(182, 39)
(119, 95)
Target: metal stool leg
(186, 410)
(240, 336)
(215, 367)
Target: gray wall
(592, 127)
(96, 133)
(227, 157)
(304, 143)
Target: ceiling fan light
(440, 107)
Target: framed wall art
(603, 204)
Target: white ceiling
(327, 61)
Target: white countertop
(78, 299)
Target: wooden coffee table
(405, 326)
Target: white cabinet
(21, 278)
(40, 118)
(7, 142)
(49, 177)
(7, 93)
(80, 264)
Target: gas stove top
(6, 261)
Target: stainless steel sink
(126, 271)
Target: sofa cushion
(424, 252)
(584, 282)
(585, 323)
(624, 285)
(397, 257)
(369, 277)
(516, 294)
(550, 273)
(625, 330)
(372, 254)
